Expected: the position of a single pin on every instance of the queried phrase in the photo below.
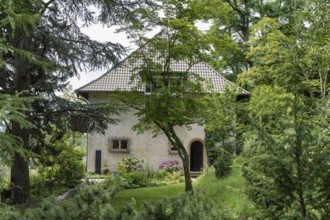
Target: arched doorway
(196, 156)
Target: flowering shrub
(130, 164)
(170, 166)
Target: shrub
(89, 202)
(170, 166)
(185, 207)
(223, 162)
(106, 170)
(175, 177)
(60, 164)
(160, 174)
(8, 212)
(130, 164)
(133, 173)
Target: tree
(169, 106)
(231, 22)
(286, 143)
(287, 155)
(41, 47)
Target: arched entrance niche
(196, 156)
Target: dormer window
(173, 82)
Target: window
(175, 82)
(119, 144)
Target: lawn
(227, 191)
(146, 194)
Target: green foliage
(185, 207)
(85, 202)
(133, 173)
(4, 180)
(287, 154)
(88, 202)
(300, 56)
(223, 163)
(221, 130)
(130, 164)
(8, 212)
(13, 108)
(60, 163)
(228, 192)
(160, 174)
(286, 136)
(174, 177)
(41, 47)
(106, 171)
(169, 105)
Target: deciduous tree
(169, 105)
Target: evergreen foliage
(12, 108)
(286, 138)
(185, 207)
(283, 172)
(42, 46)
(88, 202)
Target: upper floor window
(173, 82)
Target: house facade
(121, 141)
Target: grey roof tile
(119, 78)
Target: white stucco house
(120, 140)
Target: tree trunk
(184, 157)
(20, 182)
(20, 185)
(186, 171)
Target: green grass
(229, 191)
(146, 194)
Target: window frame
(159, 81)
(120, 149)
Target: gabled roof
(120, 77)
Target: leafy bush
(185, 207)
(160, 174)
(175, 177)
(170, 166)
(60, 164)
(223, 162)
(106, 170)
(133, 173)
(133, 180)
(8, 212)
(130, 164)
(214, 141)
